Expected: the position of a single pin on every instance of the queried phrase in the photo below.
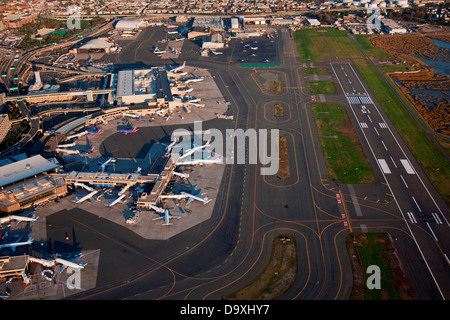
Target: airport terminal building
(28, 182)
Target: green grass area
(375, 52)
(315, 70)
(321, 87)
(376, 249)
(318, 44)
(343, 153)
(429, 157)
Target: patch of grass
(275, 86)
(283, 165)
(321, 87)
(315, 70)
(279, 110)
(366, 249)
(374, 52)
(342, 150)
(320, 43)
(277, 277)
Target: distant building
(214, 23)
(213, 42)
(95, 45)
(314, 22)
(129, 25)
(234, 23)
(5, 125)
(135, 86)
(198, 32)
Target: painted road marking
(409, 169)
(411, 217)
(384, 166)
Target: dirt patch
(278, 276)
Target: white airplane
(199, 105)
(17, 218)
(191, 80)
(180, 39)
(67, 263)
(254, 48)
(200, 162)
(86, 197)
(216, 53)
(119, 199)
(252, 55)
(196, 198)
(132, 115)
(193, 100)
(175, 70)
(67, 151)
(170, 146)
(67, 145)
(76, 135)
(266, 60)
(157, 51)
(191, 151)
(167, 216)
(16, 244)
(172, 32)
(104, 164)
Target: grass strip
(342, 150)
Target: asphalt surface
(226, 252)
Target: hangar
(129, 24)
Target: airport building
(13, 266)
(94, 46)
(129, 25)
(135, 86)
(28, 182)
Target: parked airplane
(216, 53)
(172, 32)
(94, 132)
(127, 131)
(254, 48)
(167, 216)
(87, 151)
(192, 80)
(180, 39)
(104, 164)
(252, 55)
(175, 70)
(16, 244)
(17, 218)
(119, 199)
(157, 51)
(131, 114)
